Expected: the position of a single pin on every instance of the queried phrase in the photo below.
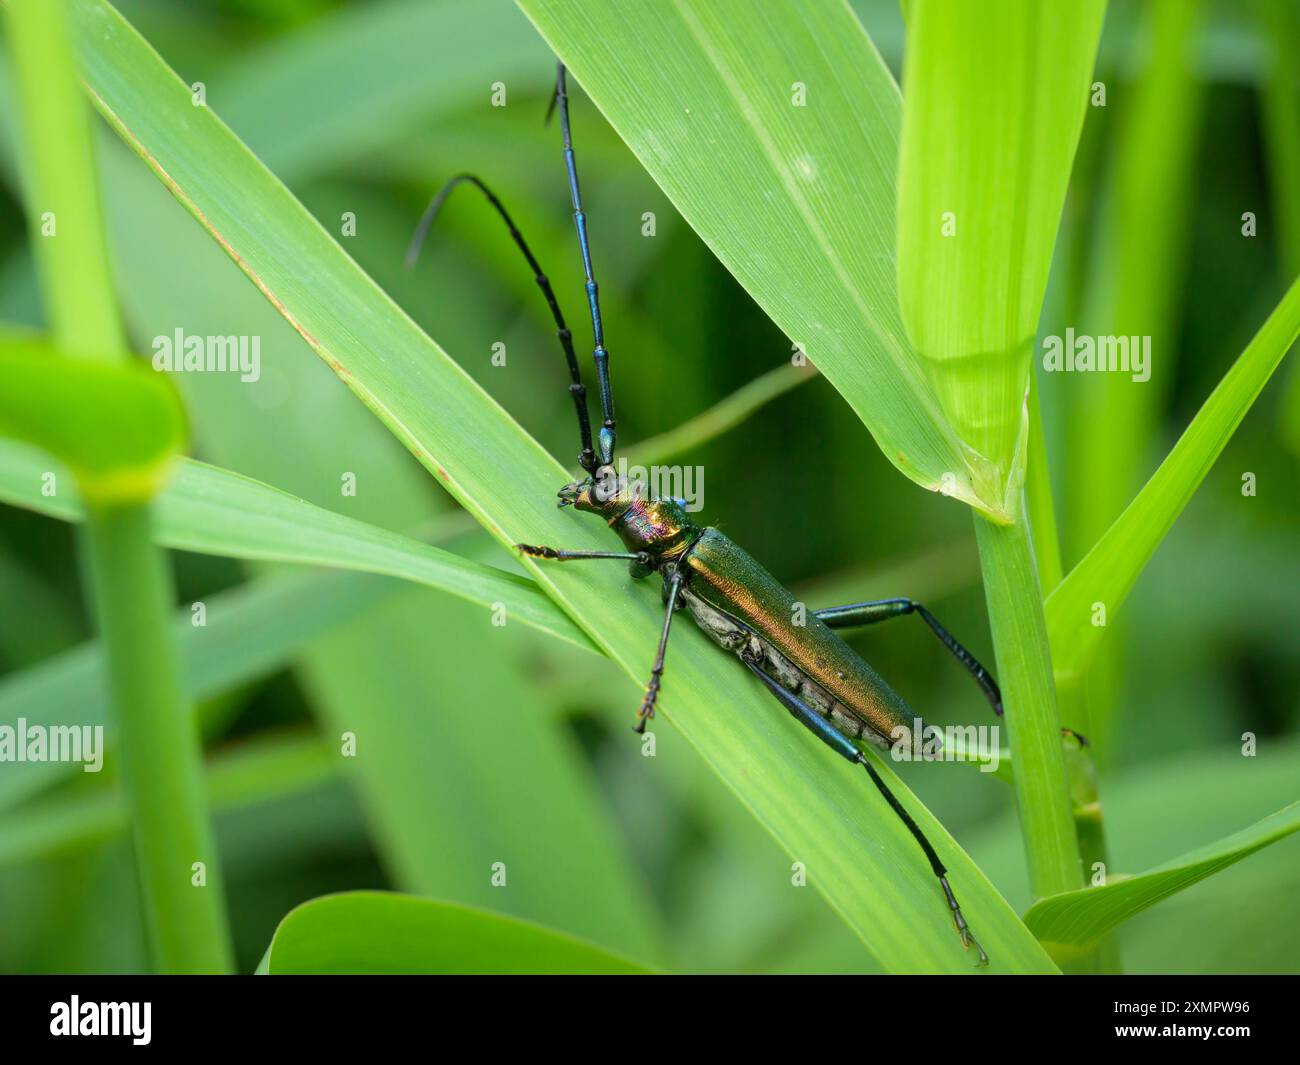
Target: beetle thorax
(659, 526)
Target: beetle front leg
(555, 554)
(673, 585)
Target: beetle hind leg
(877, 610)
(842, 745)
(968, 940)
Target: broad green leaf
(773, 128)
(265, 768)
(1068, 923)
(994, 99)
(864, 861)
(1109, 570)
(376, 932)
(217, 512)
(117, 427)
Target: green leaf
(795, 198)
(217, 512)
(1071, 921)
(1107, 573)
(863, 860)
(376, 932)
(994, 99)
(117, 427)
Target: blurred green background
(494, 746)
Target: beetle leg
(556, 555)
(842, 745)
(843, 617)
(673, 584)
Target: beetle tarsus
(647, 708)
(968, 939)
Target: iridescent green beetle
(822, 681)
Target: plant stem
(1038, 496)
(128, 584)
(162, 768)
(1025, 668)
(722, 416)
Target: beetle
(824, 684)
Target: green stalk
(161, 762)
(1015, 605)
(724, 415)
(1038, 497)
(128, 583)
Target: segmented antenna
(587, 457)
(608, 433)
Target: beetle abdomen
(729, 633)
(746, 610)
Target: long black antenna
(587, 458)
(608, 434)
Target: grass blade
(1107, 573)
(216, 512)
(1068, 923)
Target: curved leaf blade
(217, 512)
(363, 932)
(1108, 572)
(1069, 922)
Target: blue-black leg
(843, 746)
(587, 456)
(608, 430)
(855, 614)
(672, 588)
(556, 555)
